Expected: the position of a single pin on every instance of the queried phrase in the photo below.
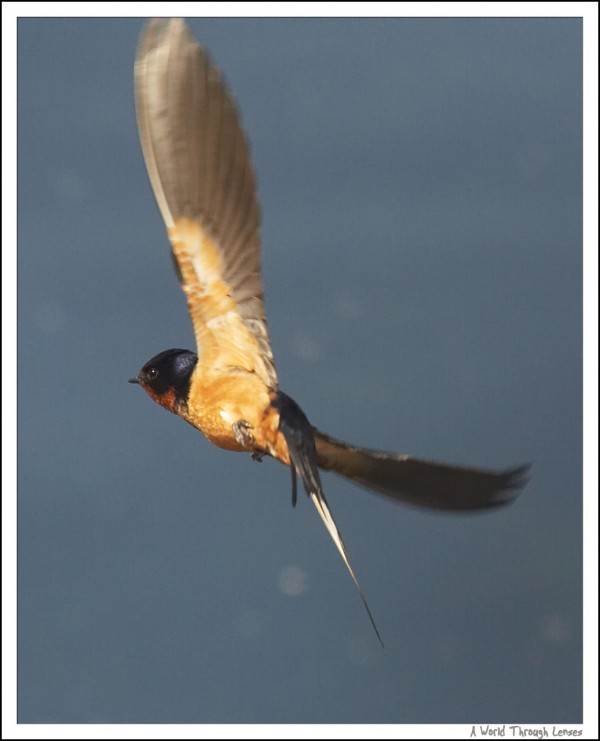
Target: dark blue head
(167, 376)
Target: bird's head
(166, 377)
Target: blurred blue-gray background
(421, 191)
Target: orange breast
(217, 401)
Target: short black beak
(134, 380)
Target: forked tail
(299, 436)
(399, 477)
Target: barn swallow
(199, 166)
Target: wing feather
(418, 482)
(199, 165)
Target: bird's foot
(241, 430)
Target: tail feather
(422, 483)
(298, 434)
(320, 503)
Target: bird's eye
(152, 373)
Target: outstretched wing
(199, 165)
(422, 483)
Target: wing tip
(510, 482)
(516, 478)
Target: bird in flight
(198, 162)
